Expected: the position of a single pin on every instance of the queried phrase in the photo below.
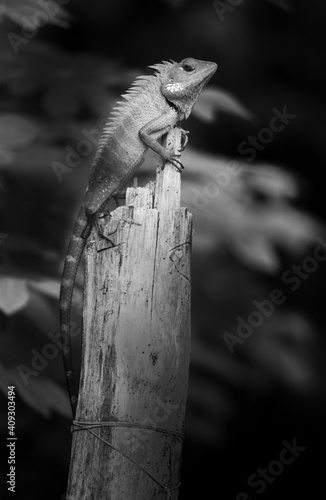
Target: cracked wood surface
(136, 346)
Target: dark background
(59, 79)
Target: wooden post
(136, 348)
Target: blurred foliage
(252, 222)
(21, 11)
(213, 101)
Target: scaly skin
(151, 107)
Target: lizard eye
(187, 67)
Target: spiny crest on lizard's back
(137, 88)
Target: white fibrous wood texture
(136, 347)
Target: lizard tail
(75, 250)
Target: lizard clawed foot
(101, 215)
(175, 162)
(184, 138)
(100, 229)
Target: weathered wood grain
(136, 348)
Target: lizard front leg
(155, 129)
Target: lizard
(152, 106)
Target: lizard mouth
(210, 70)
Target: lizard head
(183, 82)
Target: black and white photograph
(162, 249)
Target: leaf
(13, 295)
(44, 396)
(41, 312)
(287, 349)
(271, 181)
(48, 287)
(289, 228)
(213, 100)
(33, 14)
(56, 398)
(16, 132)
(257, 251)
